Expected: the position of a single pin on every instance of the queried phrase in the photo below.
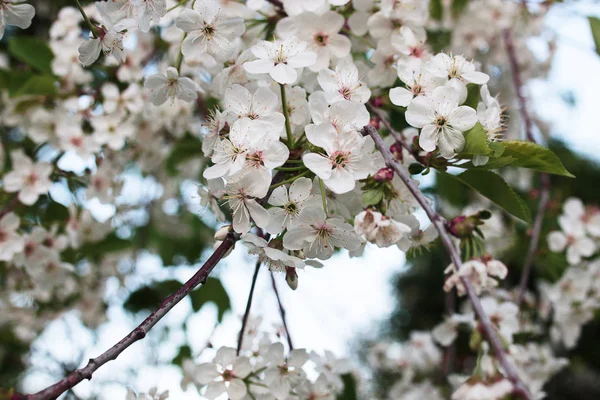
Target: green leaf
(458, 7)
(32, 51)
(472, 95)
(350, 392)
(536, 157)
(372, 197)
(211, 292)
(436, 10)
(40, 85)
(495, 188)
(476, 142)
(595, 26)
(109, 244)
(149, 297)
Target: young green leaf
(37, 85)
(476, 142)
(494, 187)
(595, 26)
(32, 51)
(536, 157)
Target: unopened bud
(291, 277)
(374, 122)
(396, 150)
(377, 101)
(462, 226)
(384, 175)
(222, 232)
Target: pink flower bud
(384, 175)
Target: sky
(332, 306)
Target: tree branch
(248, 306)
(282, 312)
(138, 333)
(436, 219)
(545, 179)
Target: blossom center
(208, 31)
(228, 375)
(31, 179)
(321, 39)
(441, 121)
(339, 159)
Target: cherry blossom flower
(170, 86)
(11, 242)
(379, 229)
(108, 40)
(479, 271)
(572, 235)
(289, 205)
(343, 84)
(284, 373)
(318, 236)
(15, 12)
(225, 374)
(209, 34)
(418, 82)
(442, 120)
(348, 158)
(458, 71)
(475, 389)
(321, 32)
(30, 179)
(260, 107)
(280, 59)
(277, 260)
(241, 198)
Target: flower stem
(323, 195)
(92, 27)
(291, 169)
(282, 312)
(286, 114)
(248, 306)
(177, 5)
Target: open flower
(209, 34)
(170, 86)
(11, 242)
(109, 38)
(225, 374)
(28, 178)
(15, 12)
(288, 205)
(348, 158)
(318, 236)
(280, 59)
(442, 120)
(343, 84)
(241, 198)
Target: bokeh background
(343, 307)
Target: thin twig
(544, 178)
(248, 306)
(138, 333)
(437, 220)
(282, 312)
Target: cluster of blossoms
(282, 161)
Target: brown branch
(398, 137)
(282, 312)
(138, 333)
(545, 179)
(436, 219)
(248, 306)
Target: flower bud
(396, 150)
(462, 226)
(291, 277)
(377, 101)
(384, 175)
(222, 232)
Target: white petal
(400, 96)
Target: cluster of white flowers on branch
(273, 110)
